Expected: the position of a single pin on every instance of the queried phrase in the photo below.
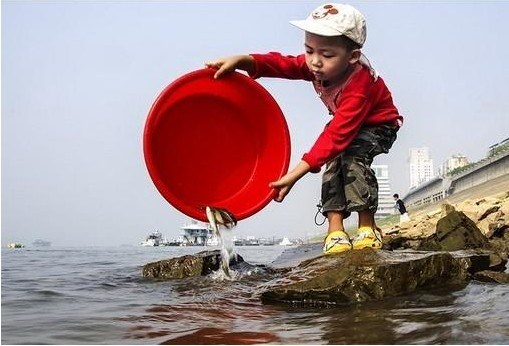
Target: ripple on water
(57, 301)
(214, 308)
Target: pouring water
(221, 217)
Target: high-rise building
(421, 166)
(455, 161)
(385, 199)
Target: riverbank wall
(491, 173)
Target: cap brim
(314, 28)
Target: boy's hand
(231, 63)
(282, 187)
(285, 184)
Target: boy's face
(327, 58)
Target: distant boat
(267, 241)
(195, 234)
(41, 243)
(153, 239)
(15, 245)
(285, 242)
(249, 241)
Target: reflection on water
(97, 296)
(231, 313)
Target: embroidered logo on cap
(324, 11)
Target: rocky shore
(443, 248)
(472, 223)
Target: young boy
(364, 122)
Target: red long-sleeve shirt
(359, 101)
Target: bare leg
(335, 219)
(366, 219)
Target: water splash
(221, 217)
(226, 251)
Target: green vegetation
(462, 169)
(388, 221)
(498, 149)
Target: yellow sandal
(367, 237)
(336, 242)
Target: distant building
(385, 200)
(421, 166)
(455, 161)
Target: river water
(98, 296)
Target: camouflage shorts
(348, 183)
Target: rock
(479, 259)
(447, 209)
(496, 228)
(202, 263)
(363, 275)
(393, 242)
(498, 261)
(393, 230)
(398, 242)
(469, 208)
(492, 276)
(504, 208)
(488, 211)
(500, 243)
(455, 232)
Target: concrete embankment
(494, 188)
(488, 174)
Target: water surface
(97, 295)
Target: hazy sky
(78, 79)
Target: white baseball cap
(333, 20)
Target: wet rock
(479, 259)
(492, 276)
(363, 275)
(202, 263)
(455, 231)
(398, 242)
(498, 261)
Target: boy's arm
(281, 66)
(231, 63)
(264, 65)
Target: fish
(220, 217)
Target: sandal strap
(366, 233)
(336, 238)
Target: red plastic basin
(216, 142)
